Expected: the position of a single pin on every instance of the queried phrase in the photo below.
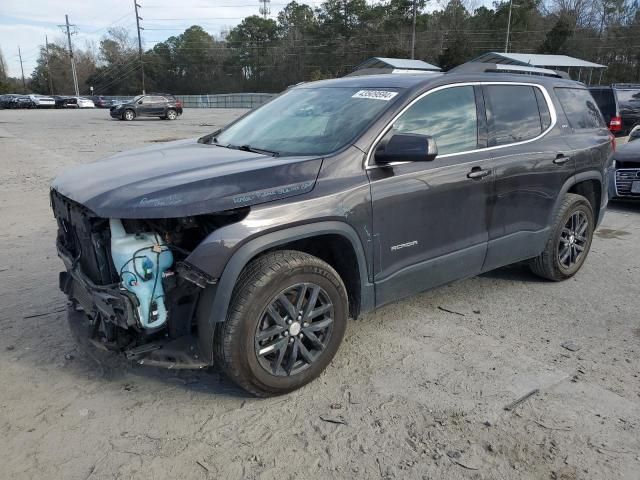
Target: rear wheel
(286, 320)
(570, 240)
(128, 115)
(171, 114)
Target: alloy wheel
(294, 329)
(573, 239)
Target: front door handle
(477, 173)
(561, 159)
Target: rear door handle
(561, 159)
(477, 173)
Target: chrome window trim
(552, 111)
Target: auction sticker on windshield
(375, 94)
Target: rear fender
(574, 180)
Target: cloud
(25, 24)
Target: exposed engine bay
(129, 280)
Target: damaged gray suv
(250, 247)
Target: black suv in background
(251, 246)
(620, 106)
(160, 105)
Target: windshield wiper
(249, 148)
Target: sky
(25, 23)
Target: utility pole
(413, 29)
(67, 27)
(24, 85)
(46, 44)
(265, 10)
(138, 18)
(506, 43)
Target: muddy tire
(569, 242)
(128, 115)
(286, 320)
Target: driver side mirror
(139, 102)
(407, 147)
(635, 134)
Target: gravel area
(418, 389)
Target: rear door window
(513, 114)
(580, 108)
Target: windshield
(308, 121)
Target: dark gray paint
(184, 178)
(461, 226)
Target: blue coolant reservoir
(141, 259)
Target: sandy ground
(415, 391)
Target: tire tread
(544, 265)
(256, 275)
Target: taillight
(615, 125)
(178, 104)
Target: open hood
(184, 178)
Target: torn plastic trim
(194, 275)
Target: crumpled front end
(129, 285)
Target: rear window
(513, 113)
(580, 108)
(628, 99)
(605, 100)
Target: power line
(118, 79)
(114, 69)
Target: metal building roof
(536, 60)
(397, 64)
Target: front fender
(215, 300)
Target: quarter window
(580, 108)
(513, 114)
(543, 108)
(448, 115)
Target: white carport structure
(553, 62)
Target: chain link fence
(225, 100)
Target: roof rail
(626, 85)
(481, 67)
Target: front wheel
(128, 115)
(570, 240)
(286, 320)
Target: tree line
(304, 43)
